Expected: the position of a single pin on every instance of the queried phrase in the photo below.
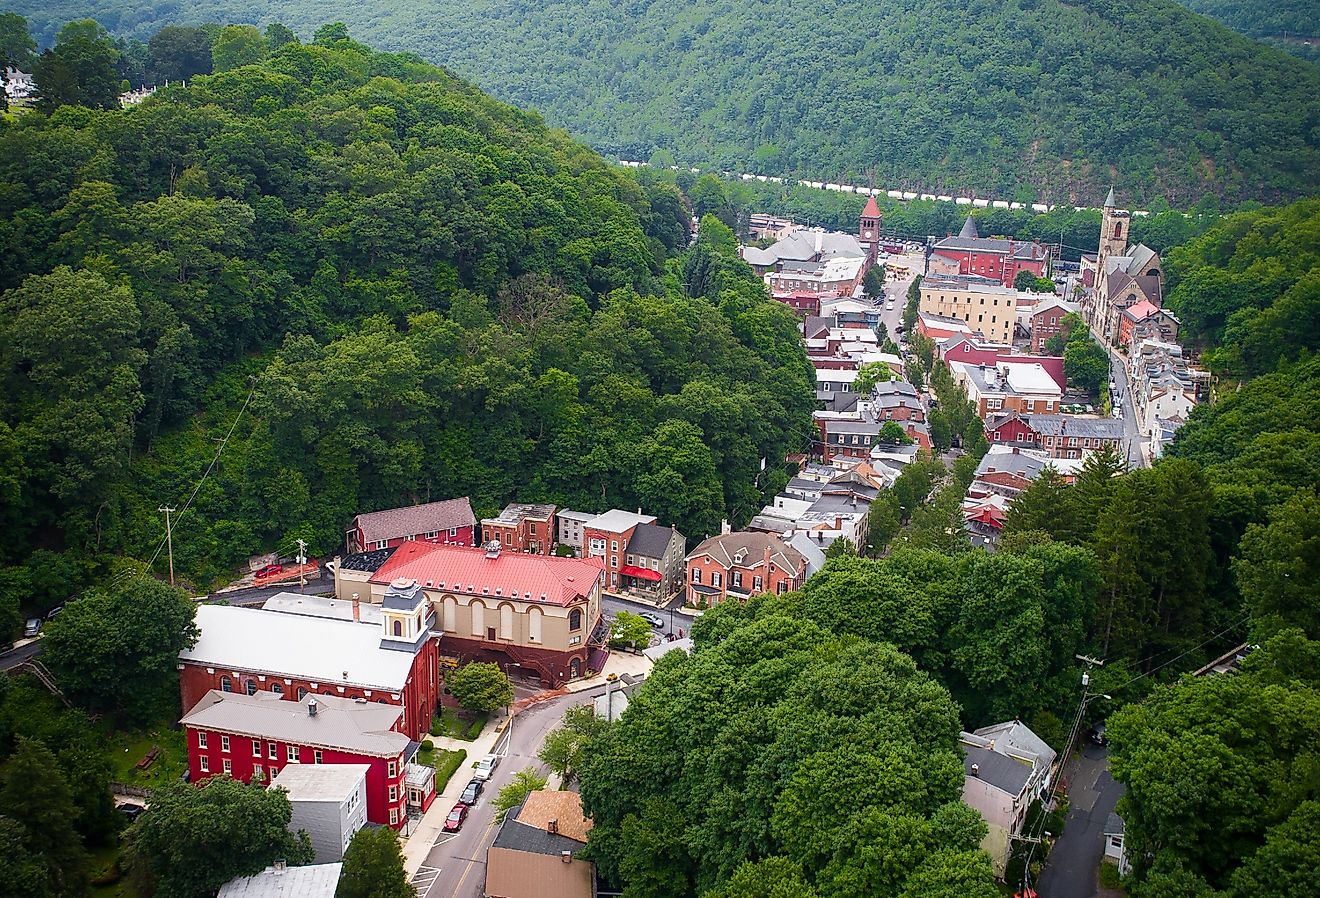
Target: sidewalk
(423, 838)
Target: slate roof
(872, 209)
(1109, 199)
(650, 540)
(340, 723)
(1075, 426)
(801, 245)
(969, 231)
(399, 522)
(1002, 772)
(366, 561)
(1014, 249)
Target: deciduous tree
(373, 867)
(480, 686)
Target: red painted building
(254, 736)
(250, 650)
(804, 302)
(992, 257)
(522, 527)
(449, 522)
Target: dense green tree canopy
(373, 866)
(1026, 99)
(480, 686)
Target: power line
(209, 468)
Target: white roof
(289, 645)
(617, 521)
(836, 375)
(656, 652)
(1028, 377)
(355, 725)
(318, 881)
(581, 517)
(320, 782)
(318, 606)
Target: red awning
(641, 573)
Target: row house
(1046, 321)
(832, 277)
(289, 656)
(1059, 436)
(1146, 321)
(639, 555)
(1006, 769)
(252, 738)
(522, 527)
(1162, 386)
(448, 522)
(761, 226)
(739, 565)
(980, 302)
(605, 537)
(1000, 259)
(539, 613)
(1008, 470)
(1008, 387)
(804, 303)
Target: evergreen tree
(35, 795)
(373, 867)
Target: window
(508, 539)
(229, 767)
(204, 764)
(757, 584)
(256, 748)
(277, 688)
(398, 628)
(302, 693)
(272, 750)
(226, 685)
(614, 545)
(394, 794)
(224, 743)
(714, 578)
(394, 816)
(696, 575)
(735, 580)
(781, 588)
(997, 436)
(575, 619)
(317, 756)
(258, 771)
(614, 562)
(453, 531)
(251, 687)
(380, 544)
(292, 752)
(432, 535)
(632, 559)
(392, 769)
(201, 740)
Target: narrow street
(1073, 866)
(1132, 436)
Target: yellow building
(983, 304)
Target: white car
(889, 306)
(486, 767)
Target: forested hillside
(1293, 25)
(368, 285)
(1026, 99)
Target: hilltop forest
(335, 280)
(1289, 24)
(1025, 100)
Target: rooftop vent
(311, 708)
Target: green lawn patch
(464, 725)
(1109, 876)
(446, 762)
(127, 747)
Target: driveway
(1073, 865)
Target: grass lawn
(465, 725)
(127, 747)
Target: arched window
(277, 688)
(226, 684)
(575, 619)
(1118, 230)
(251, 687)
(575, 668)
(398, 628)
(302, 693)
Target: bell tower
(1113, 234)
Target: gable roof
(726, 545)
(467, 570)
(1016, 736)
(517, 836)
(362, 727)
(650, 540)
(1004, 773)
(295, 645)
(1141, 311)
(398, 522)
(564, 808)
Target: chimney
(357, 606)
(566, 856)
(278, 866)
(976, 770)
(493, 549)
(552, 827)
(311, 708)
(766, 560)
(725, 529)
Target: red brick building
(606, 537)
(1058, 436)
(1047, 321)
(803, 302)
(254, 736)
(449, 522)
(992, 257)
(290, 656)
(738, 565)
(522, 527)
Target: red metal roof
(460, 569)
(872, 210)
(641, 573)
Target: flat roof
(616, 520)
(319, 606)
(319, 782)
(296, 645)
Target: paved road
(456, 865)
(1073, 865)
(1131, 430)
(15, 657)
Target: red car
(269, 570)
(454, 822)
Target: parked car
(54, 612)
(889, 306)
(472, 792)
(454, 822)
(131, 810)
(653, 619)
(486, 767)
(32, 627)
(1098, 734)
(270, 569)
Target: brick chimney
(357, 606)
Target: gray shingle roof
(1074, 426)
(1004, 773)
(517, 836)
(318, 881)
(1114, 825)
(1020, 249)
(433, 516)
(650, 540)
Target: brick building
(606, 537)
(449, 522)
(980, 302)
(1000, 259)
(256, 736)
(290, 656)
(738, 565)
(1008, 387)
(1047, 321)
(522, 527)
(1058, 436)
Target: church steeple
(1109, 200)
(868, 226)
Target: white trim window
(291, 752)
(201, 739)
(224, 743)
(204, 764)
(229, 767)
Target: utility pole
(169, 537)
(302, 563)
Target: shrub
(427, 744)
(446, 762)
(1109, 876)
(474, 729)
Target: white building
(279, 881)
(329, 802)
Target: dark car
(1098, 734)
(131, 811)
(454, 822)
(472, 792)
